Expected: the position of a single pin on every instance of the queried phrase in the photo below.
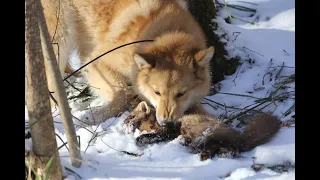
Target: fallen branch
(53, 70)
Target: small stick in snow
(126, 152)
(286, 52)
(252, 51)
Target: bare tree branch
(54, 72)
(44, 143)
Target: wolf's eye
(180, 94)
(157, 93)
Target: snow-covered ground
(267, 51)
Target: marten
(203, 133)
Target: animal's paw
(204, 155)
(166, 134)
(151, 138)
(204, 145)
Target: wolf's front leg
(112, 87)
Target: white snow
(271, 37)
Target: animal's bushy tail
(261, 128)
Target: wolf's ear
(204, 56)
(142, 62)
(143, 106)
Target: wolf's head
(173, 76)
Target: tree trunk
(37, 96)
(53, 71)
(204, 11)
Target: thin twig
(94, 132)
(126, 152)
(73, 86)
(265, 106)
(83, 93)
(230, 16)
(53, 99)
(209, 105)
(63, 143)
(76, 125)
(247, 2)
(116, 118)
(68, 169)
(250, 105)
(282, 66)
(288, 111)
(241, 95)
(58, 15)
(80, 121)
(270, 74)
(86, 85)
(94, 135)
(56, 115)
(279, 71)
(74, 72)
(55, 109)
(252, 51)
(234, 80)
(92, 107)
(238, 33)
(244, 112)
(71, 116)
(222, 104)
(286, 52)
(241, 8)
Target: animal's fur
(175, 66)
(143, 118)
(259, 130)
